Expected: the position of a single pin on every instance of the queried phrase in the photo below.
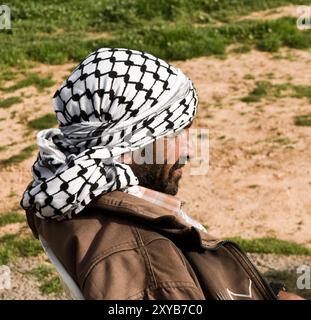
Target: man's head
(162, 162)
(116, 101)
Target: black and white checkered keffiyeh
(115, 101)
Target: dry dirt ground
(24, 286)
(256, 185)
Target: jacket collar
(127, 205)
(161, 199)
(122, 201)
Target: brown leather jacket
(124, 247)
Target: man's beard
(156, 177)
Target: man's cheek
(174, 150)
(168, 151)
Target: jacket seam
(106, 253)
(145, 255)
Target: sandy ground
(25, 286)
(254, 187)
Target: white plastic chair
(69, 284)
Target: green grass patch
(249, 76)
(42, 272)
(11, 217)
(13, 246)
(303, 120)
(47, 121)
(8, 102)
(12, 114)
(267, 35)
(12, 194)
(289, 278)
(32, 79)
(52, 286)
(23, 155)
(172, 42)
(261, 90)
(242, 49)
(301, 91)
(161, 27)
(282, 140)
(270, 44)
(49, 281)
(253, 186)
(265, 89)
(271, 245)
(7, 75)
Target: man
(112, 219)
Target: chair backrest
(69, 284)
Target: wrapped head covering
(115, 101)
